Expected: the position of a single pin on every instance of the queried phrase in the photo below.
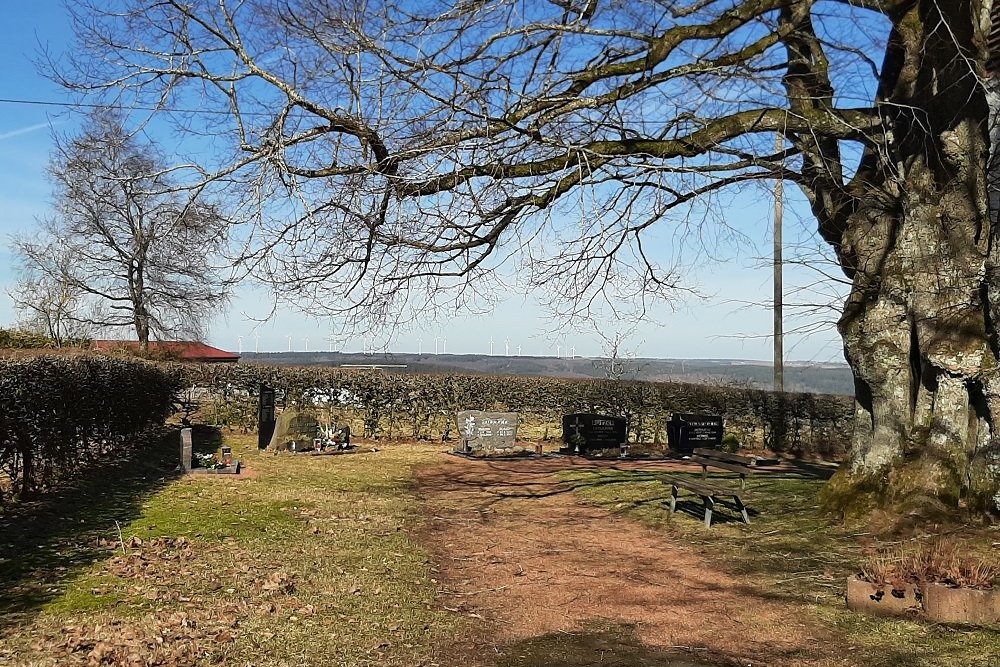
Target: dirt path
(517, 548)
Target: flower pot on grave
(945, 604)
(883, 599)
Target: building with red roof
(180, 350)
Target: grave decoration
(487, 433)
(685, 432)
(586, 432)
(332, 438)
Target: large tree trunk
(919, 327)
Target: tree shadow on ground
(611, 647)
(48, 541)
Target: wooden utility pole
(779, 335)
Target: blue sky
(718, 326)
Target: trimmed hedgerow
(411, 405)
(60, 414)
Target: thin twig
(121, 539)
(485, 590)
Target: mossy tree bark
(914, 233)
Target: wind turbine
(420, 346)
(256, 345)
(572, 352)
(289, 343)
(306, 339)
(506, 347)
(519, 350)
(491, 346)
(558, 351)
(239, 342)
(436, 339)
(444, 346)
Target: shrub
(23, 340)
(60, 414)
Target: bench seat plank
(726, 456)
(732, 467)
(701, 487)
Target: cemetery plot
(585, 432)
(301, 431)
(487, 433)
(685, 432)
(206, 464)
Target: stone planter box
(883, 600)
(945, 604)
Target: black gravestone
(686, 432)
(585, 432)
(265, 416)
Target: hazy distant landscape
(825, 378)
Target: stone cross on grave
(576, 427)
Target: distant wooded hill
(826, 378)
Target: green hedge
(23, 340)
(60, 414)
(409, 405)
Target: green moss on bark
(849, 495)
(925, 487)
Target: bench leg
(673, 498)
(743, 509)
(709, 506)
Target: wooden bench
(709, 492)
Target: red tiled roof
(181, 349)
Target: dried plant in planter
(883, 567)
(938, 578)
(978, 573)
(941, 560)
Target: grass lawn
(306, 561)
(793, 552)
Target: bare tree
(411, 147)
(49, 303)
(124, 247)
(618, 355)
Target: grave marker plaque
(479, 430)
(586, 432)
(265, 416)
(685, 432)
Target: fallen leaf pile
(169, 572)
(168, 640)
